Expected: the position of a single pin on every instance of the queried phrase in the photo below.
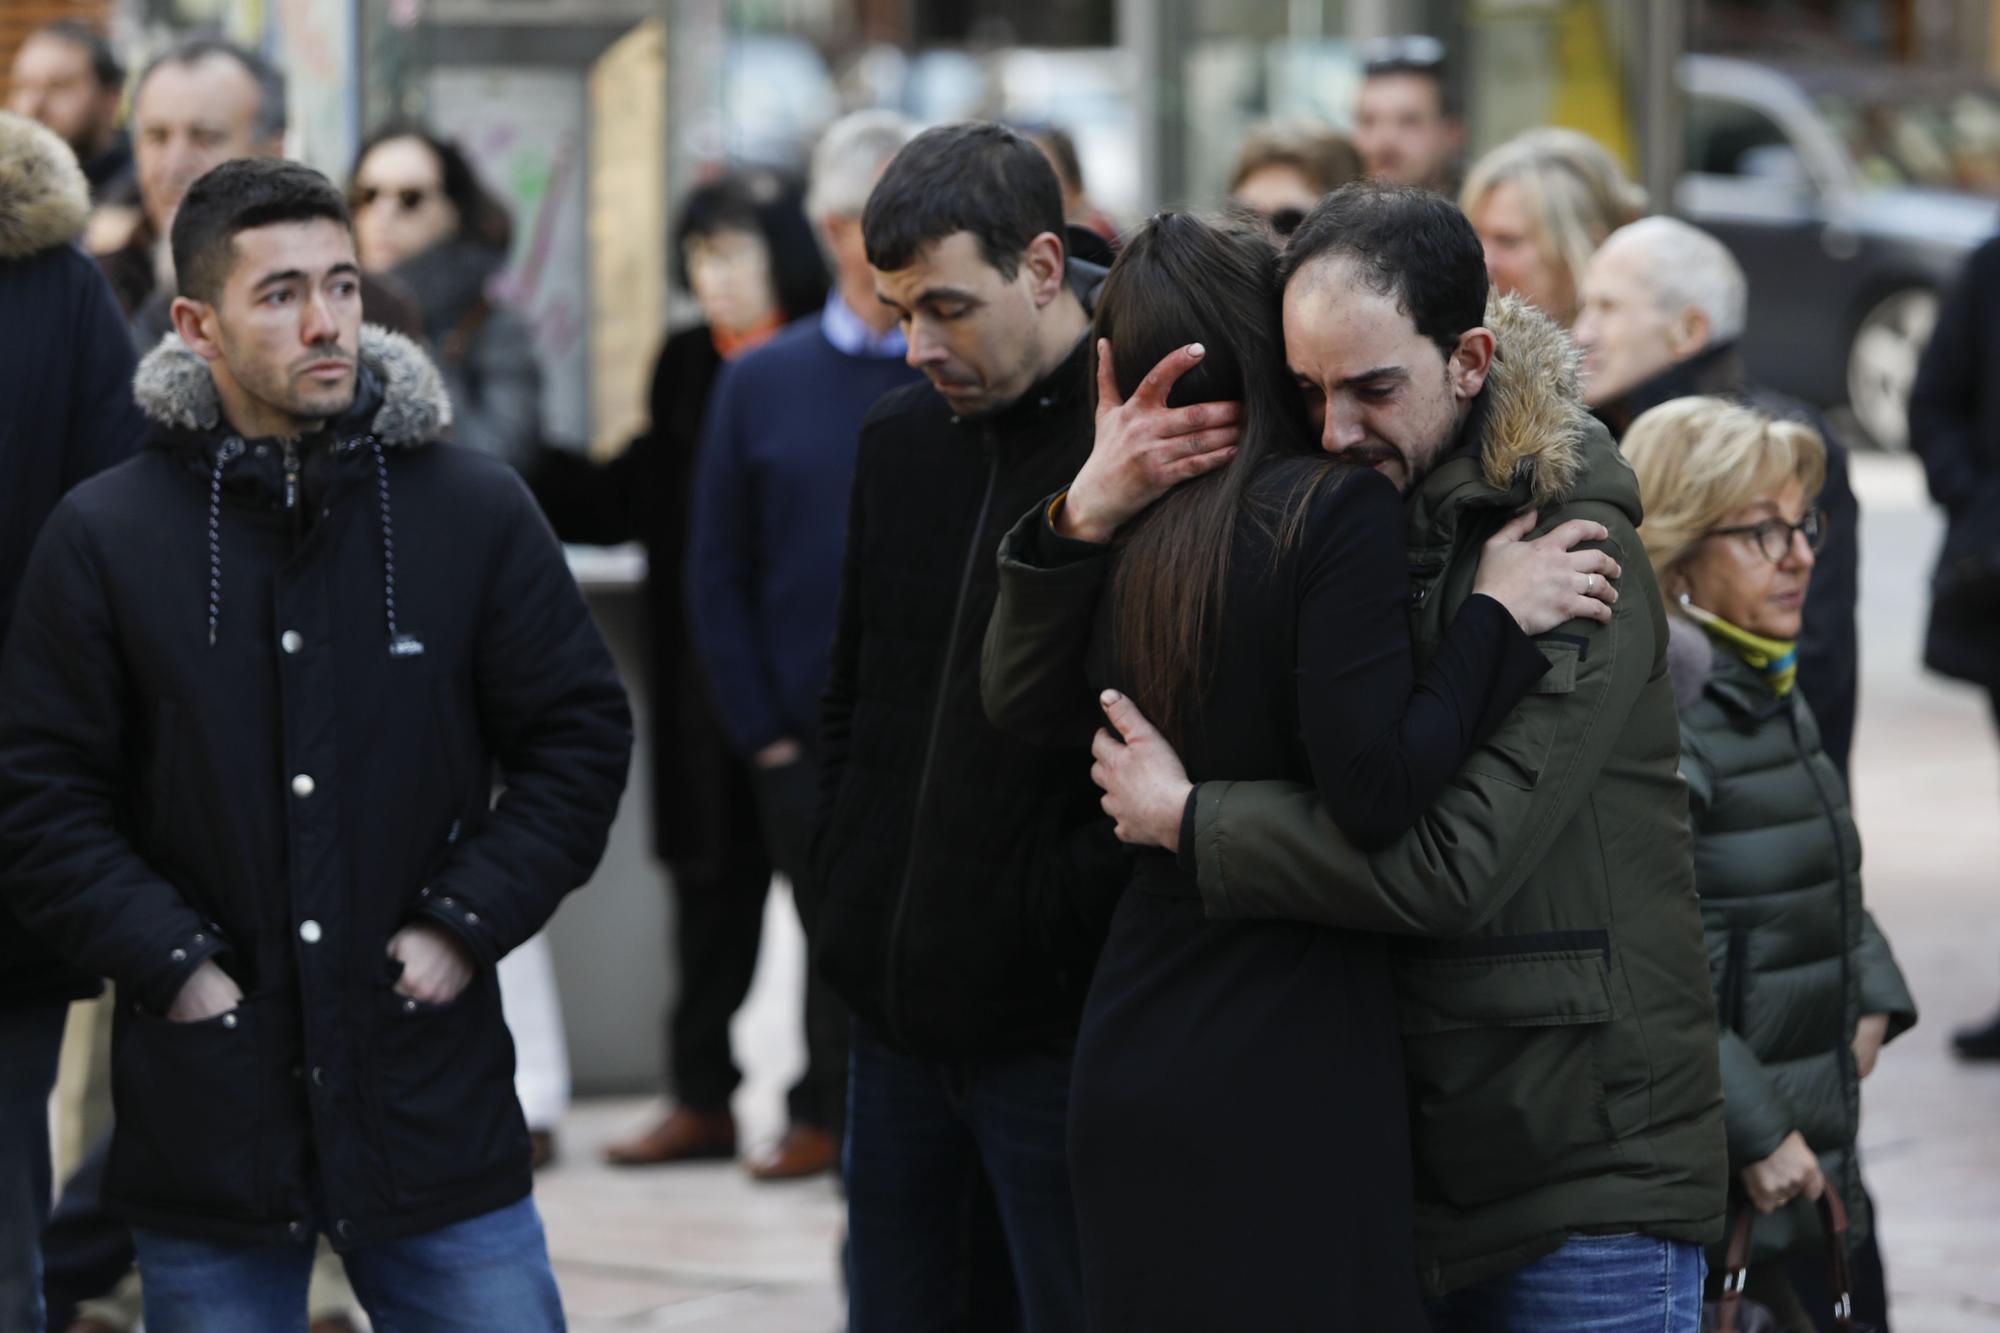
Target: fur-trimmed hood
(1534, 418)
(174, 389)
(399, 403)
(44, 198)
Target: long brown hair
(1183, 279)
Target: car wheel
(1882, 363)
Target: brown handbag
(1733, 1314)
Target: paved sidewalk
(702, 1248)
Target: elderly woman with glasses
(1806, 989)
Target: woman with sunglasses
(421, 215)
(1284, 167)
(1806, 988)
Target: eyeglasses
(1774, 536)
(1415, 53)
(408, 200)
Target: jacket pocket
(444, 1092)
(1503, 1042)
(192, 1107)
(1518, 752)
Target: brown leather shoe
(686, 1135)
(804, 1151)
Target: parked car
(1850, 196)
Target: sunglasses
(408, 200)
(1774, 536)
(1285, 221)
(1417, 53)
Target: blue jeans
(922, 1136)
(1593, 1284)
(489, 1274)
(30, 1041)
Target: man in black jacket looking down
(965, 879)
(260, 683)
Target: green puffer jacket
(1795, 956)
(1559, 1030)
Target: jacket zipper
(1843, 1047)
(890, 990)
(1732, 981)
(291, 453)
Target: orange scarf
(732, 345)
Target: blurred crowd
(896, 357)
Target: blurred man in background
(1955, 428)
(1663, 309)
(67, 77)
(1404, 124)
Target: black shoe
(1980, 1043)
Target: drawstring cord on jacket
(400, 644)
(231, 449)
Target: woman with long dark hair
(1237, 1126)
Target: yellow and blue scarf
(1776, 660)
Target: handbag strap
(1833, 1214)
(1736, 1268)
(1736, 1262)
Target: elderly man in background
(198, 104)
(1663, 309)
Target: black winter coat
(965, 878)
(258, 714)
(1829, 651)
(704, 808)
(1955, 427)
(66, 412)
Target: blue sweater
(770, 525)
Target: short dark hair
(1407, 243)
(1416, 55)
(104, 66)
(239, 195)
(768, 204)
(979, 177)
(270, 122)
(1061, 149)
(481, 215)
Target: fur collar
(1534, 413)
(1690, 659)
(174, 389)
(44, 199)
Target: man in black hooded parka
(262, 684)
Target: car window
(1726, 138)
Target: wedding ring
(1589, 582)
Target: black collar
(1717, 369)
